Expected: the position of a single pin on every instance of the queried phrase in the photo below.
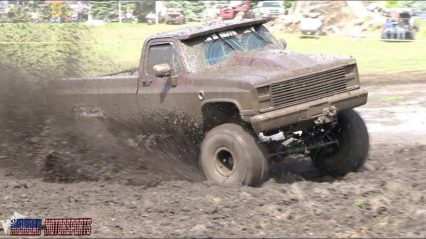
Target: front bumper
(308, 111)
(272, 15)
(174, 20)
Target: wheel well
(218, 113)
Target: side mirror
(283, 43)
(162, 70)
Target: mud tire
(352, 152)
(250, 165)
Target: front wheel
(352, 149)
(231, 155)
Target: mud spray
(36, 143)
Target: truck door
(163, 103)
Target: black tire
(413, 35)
(246, 163)
(352, 151)
(316, 34)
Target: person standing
(400, 30)
(389, 29)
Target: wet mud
(134, 184)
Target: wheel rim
(224, 162)
(328, 151)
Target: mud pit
(130, 190)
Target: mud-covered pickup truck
(252, 100)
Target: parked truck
(175, 16)
(251, 100)
(267, 9)
(230, 11)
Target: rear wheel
(231, 155)
(352, 149)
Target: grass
(373, 56)
(46, 50)
(117, 46)
(123, 43)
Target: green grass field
(115, 46)
(123, 44)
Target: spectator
(400, 30)
(34, 16)
(11, 11)
(128, 17)
(389, 28)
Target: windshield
(218, 46)
(271, 4)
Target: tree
(420, 5)
(143, 8)
(109, 10)
(105, 10)
(191, 9)
(392, 4)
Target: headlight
(351, 76)
(264, 96)
(263, 92)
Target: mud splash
(92, 150)
(36, 143)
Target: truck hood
(265, 67)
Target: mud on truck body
(252, 100)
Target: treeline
(24, 11)
(38, 10)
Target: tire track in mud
(397, 110)
(387, 199)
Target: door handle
(146, 82)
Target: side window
(163, 53)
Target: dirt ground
(145, 186)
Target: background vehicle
(218, 7)
(234, 87)
(231, 11)
(151, 18)
(311, 24)
(268, 9)
(399, 25)
(174, 16)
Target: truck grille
(307, 88)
